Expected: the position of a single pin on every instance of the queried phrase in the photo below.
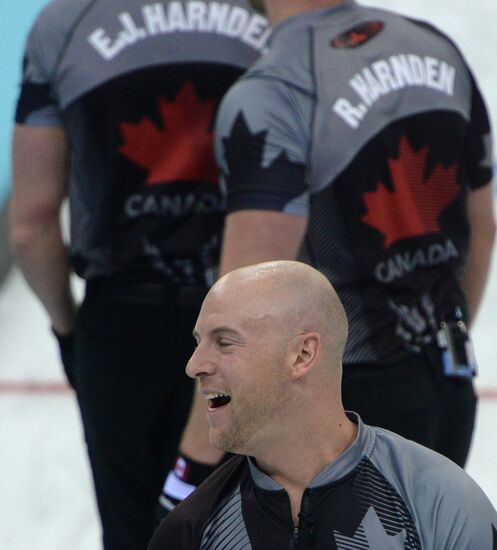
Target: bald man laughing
(268, 362)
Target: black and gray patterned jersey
(383, 493)
(372, 127)
(137, 85)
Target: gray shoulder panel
(45, 44)
(117, 35)
(404, 70)
(449, 509)
(289, 59)
(49, 35)
(114, 36)
(271, 107)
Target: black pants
(414, 399)
(132, 346)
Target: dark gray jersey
(137, 85)
(383, 493)
(372, 126)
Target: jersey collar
(361, 447)
(297, 22)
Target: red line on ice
(48, 388)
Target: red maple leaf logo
(356, 38)
(413, 207)
(358, 35)
(183, 149)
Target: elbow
(29, 237)
(24, 239)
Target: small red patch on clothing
(181, 468)
(357, 35)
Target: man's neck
(279, 10)
(300, 459)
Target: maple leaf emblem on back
(414, 205)
(183, 149)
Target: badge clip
(458, 357)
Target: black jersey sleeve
(262, 140)
(479, 141)
(183, 528)
(172, 534)
(37, 104)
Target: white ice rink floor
(46, 495)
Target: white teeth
(215, 395)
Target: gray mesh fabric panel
(226, 530)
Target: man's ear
(304, 354)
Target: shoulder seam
(69, 36)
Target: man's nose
(199, 364)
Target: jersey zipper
(296, 538)
(295, 534)
(295, 543)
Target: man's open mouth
(217, 399)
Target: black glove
(66, 351)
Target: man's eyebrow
(224, 330)
(216, 331)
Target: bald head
(270, 340)
(293, 296)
